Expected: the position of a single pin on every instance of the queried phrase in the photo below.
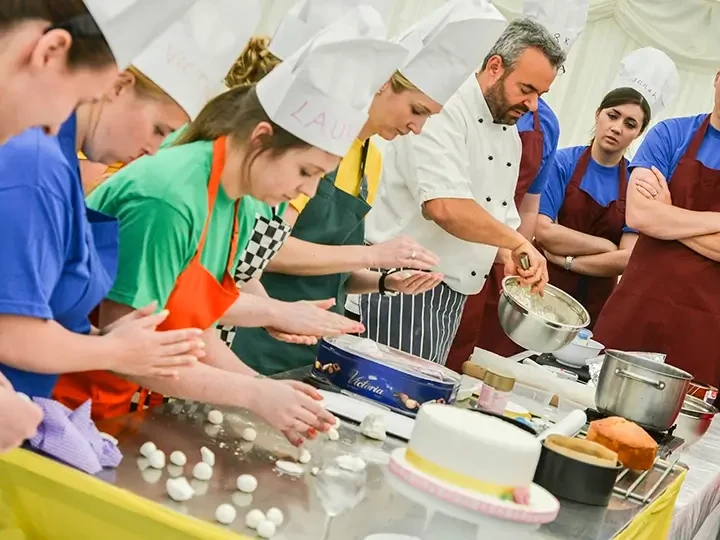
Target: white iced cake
(473, 451)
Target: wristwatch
(568, 262)
(382, 288)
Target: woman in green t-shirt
(214, 199)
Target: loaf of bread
(635, 448)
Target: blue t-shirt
(551, 135)
(668, 141)
(50, 267)
(600, 182)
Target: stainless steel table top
(183, 426)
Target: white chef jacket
(461, 154)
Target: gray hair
(522, 34)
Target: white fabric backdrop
(687, 30)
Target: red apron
(580, 212)
(481, 309)
(111, 394)
(667, 300)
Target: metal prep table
(183, 426)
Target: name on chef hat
(649, 90)
(176, 57)
(318, 115)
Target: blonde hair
(253, 64)
(146, 88)
(400, 83)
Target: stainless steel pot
(694, 420)
(644, 391)
(534, 332)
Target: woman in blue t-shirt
(581, 225)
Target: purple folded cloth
(71, 437)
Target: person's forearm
(707, 245)
(564, 241)
(363, 282)
(254, 287)
(611, 264)
(251, 311)
(528, 225)
(205, 383)
(301, 258)
(467, 220)
(664, 221)
(529, 208)
(219, 355)
(44, 346)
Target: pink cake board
(543, 507)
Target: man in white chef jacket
(452, 187)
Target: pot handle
(660, 385)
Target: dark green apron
(333, 217)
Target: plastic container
(495, 392)
(533, 399)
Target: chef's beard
(500, 109)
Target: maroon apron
(667, 300)
(580, 212)
(481, 308)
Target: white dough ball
(266, 529)
(247, 483)
(208, 456)
(254, 518)
(249, 434)
(225, 514)
(315, 471)
(215, 417)
(179, 489)
(178, 458)
(202, 471)
(333, 434)
(276, 516)
(305, 456)
(157, 459)
(148, 448)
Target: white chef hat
(652, 73)
(322, 93)
(131, 25)
(191, 58)
(449, 44)
(308, 17)
(564, 19)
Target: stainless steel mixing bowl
(533, 331)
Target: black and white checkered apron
(267, 238)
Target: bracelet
(382, 287)
(568, 262)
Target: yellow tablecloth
(43, 500)
(654, 522)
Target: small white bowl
(577, 354)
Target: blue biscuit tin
(388, 376)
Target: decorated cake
(394, 378)
(635, 448)
(474, 451)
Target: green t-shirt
(161, 202)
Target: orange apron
(112, 395)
